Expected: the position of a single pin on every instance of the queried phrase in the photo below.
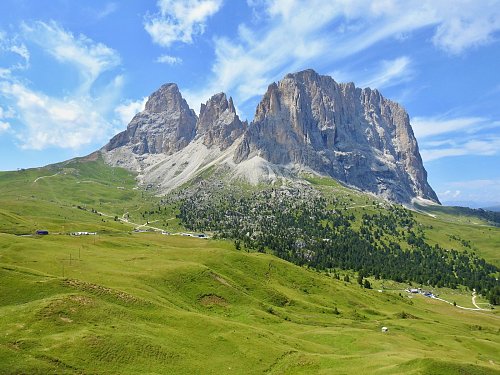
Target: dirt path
(39, 178)
(136, 225)
(460, 307)
(474, 301)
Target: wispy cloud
(179, 21)
(293, 35)
(14, 47)
(487, 146)
(467, 24)
(431, 126)
(90, 59)
(444, 136)
(169, 60)
(390, 73)
(79, 117)
(108, 9)
(450, 194)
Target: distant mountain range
(305, 124)
(490, 206)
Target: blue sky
(73, 73)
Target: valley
(135, 302)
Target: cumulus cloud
(48, 121)
(169, 60)
(179, 21)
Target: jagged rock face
(305, 121)
(165, 126)
(354, 135)
(219, 124)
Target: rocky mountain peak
(306, 121)
(218, 123)
(166, 99)
(354, 135)
(166, 125)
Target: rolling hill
(129, 301)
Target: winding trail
(474, 301)
(39, 178)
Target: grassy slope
(440, 227)
(165, 304)
(147, 303)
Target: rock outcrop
(304, 122)
(165, 126)
(354, 135)
(218, 123)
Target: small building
(42, 232)
(385, 329)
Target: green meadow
(121, 302)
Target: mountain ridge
(306, 122)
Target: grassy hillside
(148, 303)
(134, 303)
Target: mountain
(305, 123)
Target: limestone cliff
(306, 121)
(354, 135)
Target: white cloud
(13, 46)
(483, 191)
(487, 146)
(108, 9)
(467, 24)
(169, 60)
(91, 59)
(431, 126)
(126, 111)
(293, 35)
(52, 122)
(80, 117)
(180, 20)
(438, 138)
(390, 73)
(4, 126)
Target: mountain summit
(305, 123)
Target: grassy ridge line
(150, 303)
